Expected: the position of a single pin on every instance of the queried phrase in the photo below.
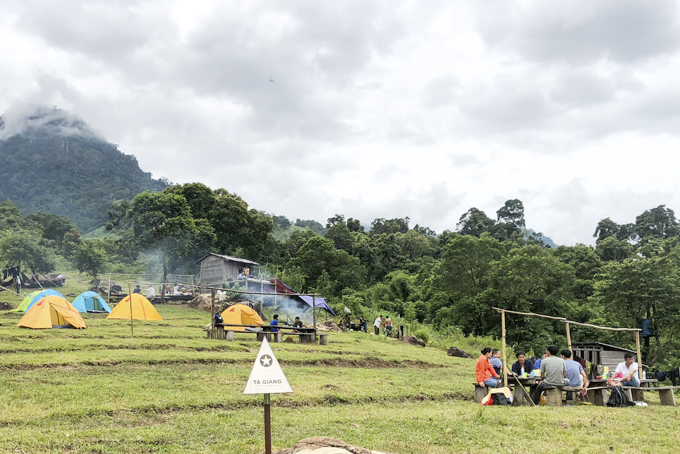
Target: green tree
(20, 248)
(52, 226)
(474, 222)
(163, 221)
(467, 262)
(90, 257)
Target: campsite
(169, 389)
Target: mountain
(53, 162)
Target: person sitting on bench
(626, 373)
(554, 371)
(522, 365)
(495, 360)
(575, 374)
(275, 322)
(485, 375)
(298, 324)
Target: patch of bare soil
(326, 445)
(5, 306)
(413, 340)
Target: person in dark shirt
(362, 324)
(522, 363)
(298, 324)
(275, 322)
(137, 290)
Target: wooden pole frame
(132, 330)
(567, 323)
(505, 352)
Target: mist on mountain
(54, 162)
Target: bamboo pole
(212, 311)
(5, 288)
(603, 327)
(505, 352)
(639, 353)
(109, 294)
(314, 311)
(562, 319)
(132, 330)
(568, 337)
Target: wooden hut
(217, 269)
(600, 354)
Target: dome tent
(142, 309)
(37, 296)
(25, 302)
(50, 312)
(90, 302)
(240, 314)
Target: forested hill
(55, 163)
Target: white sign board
(267, 376)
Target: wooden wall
(215, 271)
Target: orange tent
(142, 309)
(51, 311)
(240, 314)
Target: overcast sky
(373, 108)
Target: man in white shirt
(151, 291)
(376, 325)
(626, 373)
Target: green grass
(171, 390)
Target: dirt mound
(328, 325)
(326, 445)
(5, 306)
(203, 302)
(413, 340)
(455, 351)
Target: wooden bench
(305, 335)
(598, 395)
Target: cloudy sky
(373, 108)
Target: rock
(413, 340)
(455, 351)
(326, 445)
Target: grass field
(170, 390)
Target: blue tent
(318, 302)
(90, 302)
(42, 295)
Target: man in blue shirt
(575, 374)
(495, 360)
(275, 322)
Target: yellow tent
(240, 314)
(51, 311)
(142, 309)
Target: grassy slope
(169, 389)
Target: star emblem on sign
(266, 360)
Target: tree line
(449, 280)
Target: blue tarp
(42, 295)
(319, 302)
(90, 302)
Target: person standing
(485, 375)
(388, 325)
(554, 372)
(377, 324)
(362, 324)
(18, 283)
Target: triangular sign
(267, 376)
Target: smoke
(31, 120)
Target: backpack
(618, 398)
(500, 399)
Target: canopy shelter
(34, 297)
(141, 309)
(240, 314)
(51, 311)
(305, 300)
(568, 332)
(90, 302)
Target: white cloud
(379, 109)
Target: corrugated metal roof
(600, 344)
(227, 257)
